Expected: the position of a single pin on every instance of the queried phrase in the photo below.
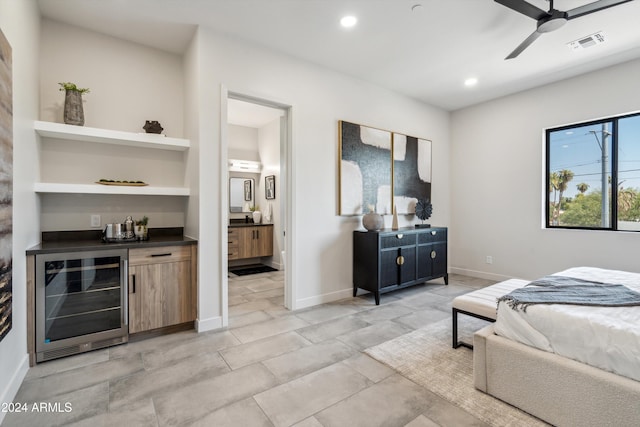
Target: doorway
(255, 147)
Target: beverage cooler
(81, 302)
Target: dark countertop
(248, 224)
(57, 242)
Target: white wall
(319, 98)
(497, 179)
(269, 148)
(129, 84)
(243, 143)
(19, 21)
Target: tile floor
(270, 367)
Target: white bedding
(604, 337)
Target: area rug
(252, 269)
(426, 357)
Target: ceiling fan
(553, 19)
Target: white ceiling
(426, 54)
(251, 115)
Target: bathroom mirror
(241, 194)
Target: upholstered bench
(481, 304)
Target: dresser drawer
(432, 236)
(159, 254)
(397, 240)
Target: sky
(579, 149)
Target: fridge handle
(125, 291)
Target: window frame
(614, 120)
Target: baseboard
(480, 274)
(203, 325)
(11, 390)
(324, 298)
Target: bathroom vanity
(249, 240)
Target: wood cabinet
(250, 241)
(387, 260)
(162, 287)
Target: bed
(586, 372)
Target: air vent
(588, 41)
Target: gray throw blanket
(569, 290)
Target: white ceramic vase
(257, 217)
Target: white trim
(480, 274)
(224, 215)
(12, 388)
(324, 298)
(288, 174)
(204, 325)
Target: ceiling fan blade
(525, 44)
(593, 7)
(524, 8)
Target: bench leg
(454, 331)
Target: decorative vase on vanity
(372, 221)
(73, 109)
(257, 217)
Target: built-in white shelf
(104, 136)
(63, 188)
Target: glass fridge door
(79, 294)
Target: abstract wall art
(411, 172)
(6, 186)
(365, 169)
(381, 168)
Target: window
(593, 175)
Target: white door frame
(286, 174)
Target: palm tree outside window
(582, 162)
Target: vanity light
(244, 166)
(348, 21)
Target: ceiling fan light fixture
(553, 19)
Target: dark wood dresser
(388, 260)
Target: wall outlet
(95, 220)
(489, 259)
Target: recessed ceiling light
(348, 21)
(472, 81)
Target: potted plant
(140, 229)
(73, 111)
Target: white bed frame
(556, 389)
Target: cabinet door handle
(258, 234)
(133, 283)
(400, 260)
(159, 255)
(399, 236)
(433, 254)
